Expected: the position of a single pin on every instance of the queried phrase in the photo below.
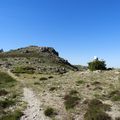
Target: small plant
(71, 100)
(34, 77)
(49, 112)
(53, 88)
(14, 95)
(43, 78)
(96, 83)
(36, 83)
(50, 77)
(97, 95)
(80, 82)
(3, 92)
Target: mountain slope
(35, 59)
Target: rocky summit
(34, 59)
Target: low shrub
(27, 69)
(6, 81)
(6, 103)
(12, 116)
(5, 78)
(43, 78)
(80, 82)
(36, 83)
(73, 92)
(71, 99)
(3, 92)
(114, 95)
(53, 88)
(49, 112)
(96, 111)
(50, 77)
(96, 83)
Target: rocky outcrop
(36, 49)
(49, 50)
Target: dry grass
(89, 85)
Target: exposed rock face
(50, 50)
(36, 49)
(41, 59)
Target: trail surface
(33, 111)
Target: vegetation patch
(6, 103)
(97, 111)
(49, 112)
(96, 83)
(6, 81)
(97, 65)
(71, 100)
(80, 82)
(12, 116)
(98, 88)
(73, 92)
(27, 69)
(114, 95)
(50, 77)
(43, 78)
(3, 92)
(53, 89)
(36, 83)
(10, 97)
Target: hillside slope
(35, 59)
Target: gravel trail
(33, 111)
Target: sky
(78, 29)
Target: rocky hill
(35, 59)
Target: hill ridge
(41, 59)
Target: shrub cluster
(97, 65)
(27, 69)
(97, 111)
(49, 112)
(71, 99)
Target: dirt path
(33, 111)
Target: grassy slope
(10, 98)
(89, 86)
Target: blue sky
(78, 29)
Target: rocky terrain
(36, 84)
(35, 59)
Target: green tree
(97, 65)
